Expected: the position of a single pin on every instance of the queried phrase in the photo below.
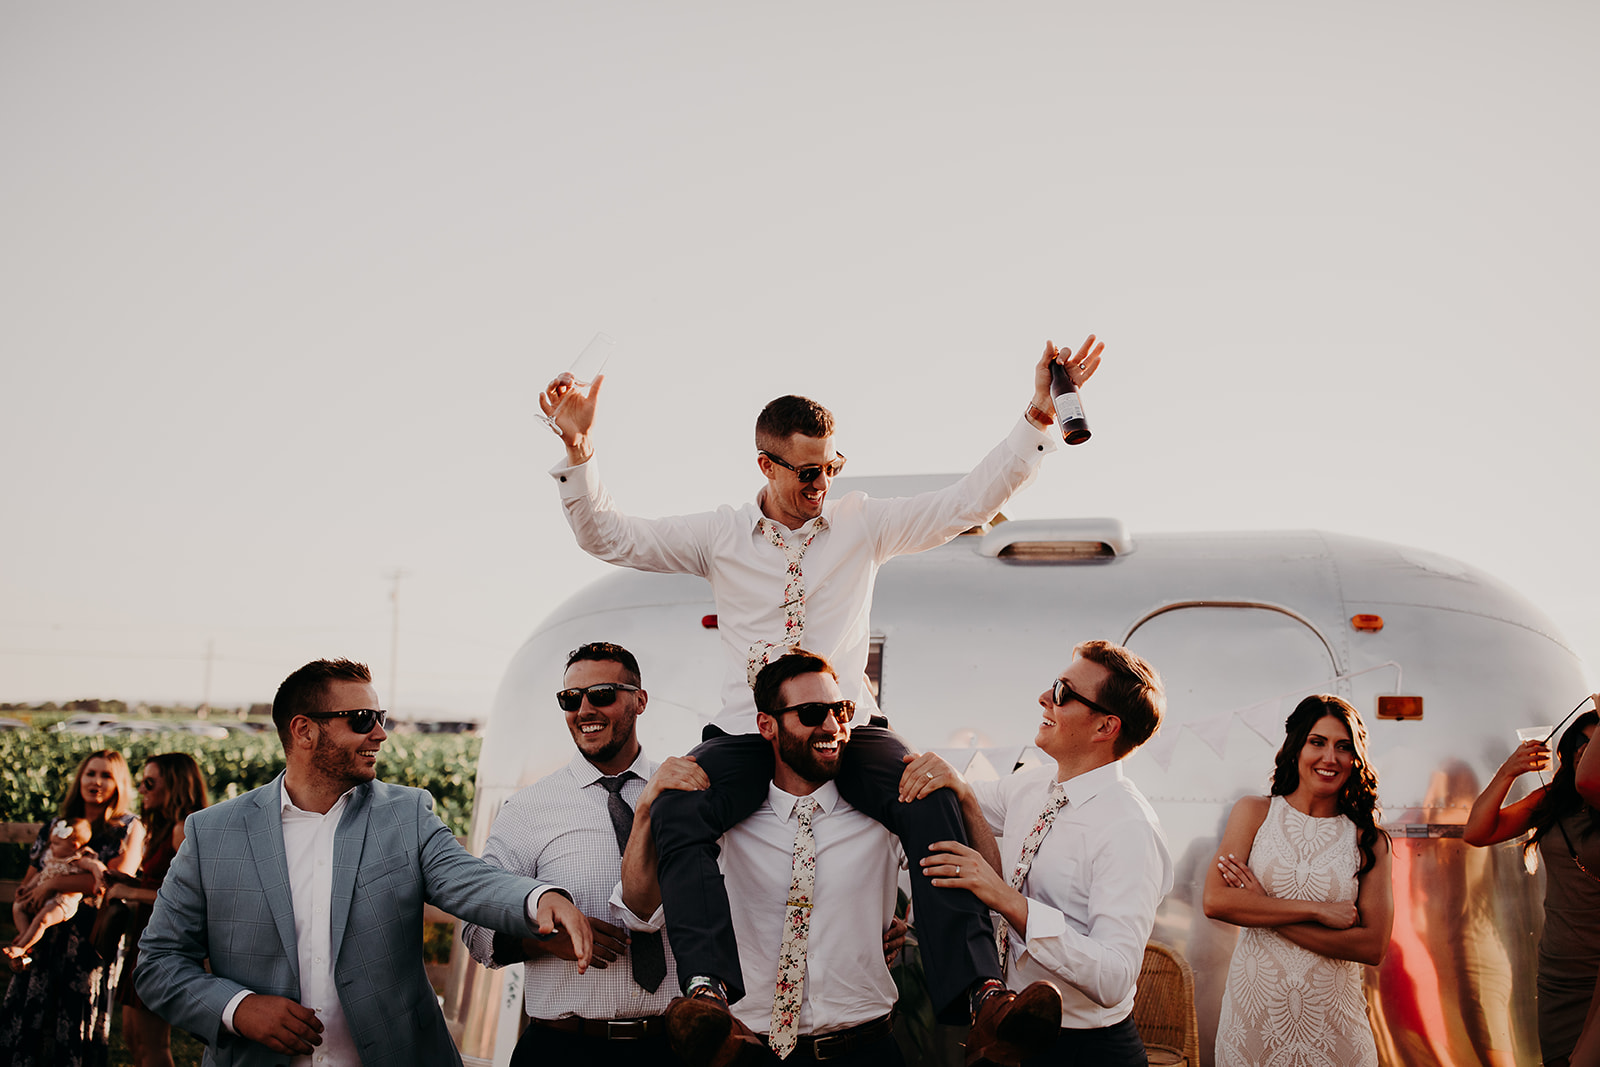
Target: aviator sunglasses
(812, 714)
(601, 696)
(808, 474)
(362, 720)
(1063, 694)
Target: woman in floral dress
(57, 1012)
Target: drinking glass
(1535, 733)
(589, 365)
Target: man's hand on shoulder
(278, 1023)
(928, 772)
(675, 772)
(555, 913)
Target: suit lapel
(265, 827)
(348, 842)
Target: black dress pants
(1117, 1045)
(954, 932)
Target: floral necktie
(794, 596)
(1055, 800)
(796, 925)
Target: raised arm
(1247, 904)
(913, 524)
(1489, 823)
(641, 892)
(1588, 780)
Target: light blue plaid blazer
(226, 898)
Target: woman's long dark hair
(1358, 800)
(1562, 799)
(186, 793)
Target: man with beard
(306, 895)
(812, 885)
(568, 828)
(797, 567)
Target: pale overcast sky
(278, 284)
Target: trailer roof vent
(1057, 541)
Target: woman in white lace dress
(1306, 873)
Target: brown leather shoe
(704, 1033)
(1011, 1026)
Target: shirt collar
(287, 806)
(827, 796)
(754, 515)
(587, 774)
(1085, 787)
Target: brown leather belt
(843, 1042)
(610, 1029)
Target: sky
(279, 285)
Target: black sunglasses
(1063, 694)
(148, 783)
(808, 474)
(811, 715)
(362, 720)
(601, 696)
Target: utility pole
(205, 699)
(394, 577)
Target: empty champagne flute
(589, 365)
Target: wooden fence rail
(15, 833)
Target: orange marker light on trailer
(1367, 624)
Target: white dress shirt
(1092, 890)
(559, 830)
(747, 572)
(308, 849)
(857, 884)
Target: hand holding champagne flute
(568, 401)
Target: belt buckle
(624, 1029)
(821, 1045)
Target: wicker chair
(1163, 1006)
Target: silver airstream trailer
(1444, 662)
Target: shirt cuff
(1044, 923)
(532, 905)
(632, 921)
(577, 481)
(1028, 441)
(233, 1006)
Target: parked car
(86, 723)
(136, 727)
(213, 730)
(13, 724)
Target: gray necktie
(645, 949)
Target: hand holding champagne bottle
(1058, 376)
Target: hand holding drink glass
(574, 389)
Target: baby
(69, 848)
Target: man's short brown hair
(305, 691)
(790, 415)
(793, 664)
(1133, 692)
